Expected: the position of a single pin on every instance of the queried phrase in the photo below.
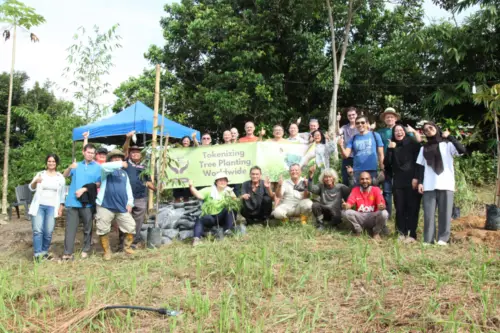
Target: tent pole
(153, 144)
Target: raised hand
(445, 134)
(280, 181)
(373, 126)
(312, 170)
(267, 183)
(392, 144)
(350, 170)
(298, 121)
(410, 129)
(193, 135)
(130, 134)
(340, 141)
(190, 183)
(86, 134)
(73, 165)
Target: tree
(17, 15)
(338, 64)
(90, 59)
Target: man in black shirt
(257, 197)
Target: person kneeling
(331, 195)
(294, 197)
(115, 201)
(257, 197)
(214, 207)
(370, 210)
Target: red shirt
(368, 201)
(248, 139)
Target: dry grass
(285, 279)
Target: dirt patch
(471, 229)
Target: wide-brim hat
(389, 111)
(135, 147)
(115, 152)
(221, 175)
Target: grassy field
(284, 279)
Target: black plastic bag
(492, 217)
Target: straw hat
(390, 111)
(115, 152)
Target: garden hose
(162, 311)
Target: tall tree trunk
(497, 195)
(7, 129)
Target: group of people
(377, 167)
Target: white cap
(221, 175)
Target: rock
(166, 241)
(144, 234)
(170, 233)
(185, 234)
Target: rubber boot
(285, 220)
(105, 246)
(127, 243)
(303, 219)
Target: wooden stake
(155, 129)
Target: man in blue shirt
(115, 202)
(82, 173)
(390, 117)
(367, 149)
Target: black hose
(161, 311)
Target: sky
(139, 28)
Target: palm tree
(18, 16)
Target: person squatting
(378, 167)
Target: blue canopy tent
(137, 117)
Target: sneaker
(196, 241)
(228, 233)
(442, 243)
(67, 257)
(84, 255)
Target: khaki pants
(284, 210)
(104, 217)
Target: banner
(201, 164)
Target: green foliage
(465, 198)
(478, 169)
(89, 60)
(227, 202)
(17, 13)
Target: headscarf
(432, 154)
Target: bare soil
(471, 229)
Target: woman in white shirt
(437, 181)
(47, 204)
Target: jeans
(225, 219)
(387, 191)
(43, 226)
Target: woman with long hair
(401, 160)
(437, 181)
(47, 204)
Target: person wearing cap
(100, 156)
(140, 183)
(294, 197)
(115, 202)
(213, 206)
(390, 117)
(81, 173)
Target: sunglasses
(360, 122)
